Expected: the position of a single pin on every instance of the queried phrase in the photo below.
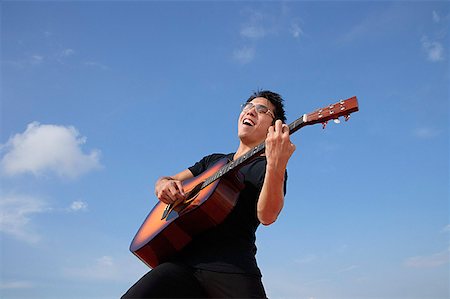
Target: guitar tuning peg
(324, 124)
(347, 117)
(336, 121)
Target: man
(220, 262)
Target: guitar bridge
(166, 211)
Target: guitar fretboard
(293, 127)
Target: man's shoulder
(207, 161)
(213, 158)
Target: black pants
(173, 280)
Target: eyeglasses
(258, 107)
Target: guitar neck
(322, 115)
(293, 127)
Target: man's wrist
(168, 178)
(276, 172)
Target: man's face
(253, 125)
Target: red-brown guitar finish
(158, 239)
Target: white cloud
(5, 285)
(255, 26)
(17, 211)
(433, 49)
(349, 268)
(67, 52)
(78, 205)
(253, 31)
(260, 25)
(64, 55)
(95, 64)
(15, 216)
(446, 229)
(36, 59)
(48, 148)
(425, 133)
(429, 261)
(102, 268)
(123, 268)
(244, 55)
(372, 24)
(436, 17)
(306, 259)
(296, 31)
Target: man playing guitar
(220, 262)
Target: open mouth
(248, 122)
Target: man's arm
(278, 151)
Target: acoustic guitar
(210, 197)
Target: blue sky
(99, 99)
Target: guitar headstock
(334, 111)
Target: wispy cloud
(106, 268)
(260, 25)
(244, 55)
(95, 64)
(26, 61)
(36, 59)
(436, 17)
(48, 149)
(253, 31)
(371, 24)
(306, 259)
(16, 212)
(8, 285)
(434, 46)
(52, 52)
(256, 25)
(446, 229)
(102, 268)
(67, 52)
(78, 206)
(426, 133)
(433, 49)
(429, 261)
(347, 269)
(63, 56)
(296, 30)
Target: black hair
(275, 99)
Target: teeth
(246, 121)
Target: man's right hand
(169, 190)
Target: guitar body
(161, 237)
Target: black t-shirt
(230, 246)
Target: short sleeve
(205, 163)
